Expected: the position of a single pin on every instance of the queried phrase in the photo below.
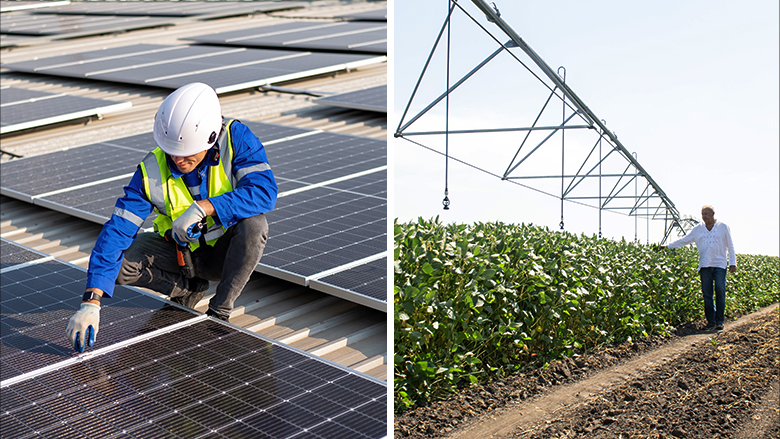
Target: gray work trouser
(150, 262)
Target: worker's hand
(183, 225)
(83, 326)
(732, 269)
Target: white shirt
(711, 244)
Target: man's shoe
(197, 288)
(211, 313)
(709, 327)
(719, 326)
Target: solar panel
(37, 301)
(15, 255)
(365, 284)
(71, 26)
(225, 69)
(167, 9)
(324, 229)
(375, 15)
(162, 371)
(369, 99)
(341, 36)
(19, 40)
(22, 109)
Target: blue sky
(691, 87)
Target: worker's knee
(129, 273)
(254, 228)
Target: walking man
(713, 240)
(210, 184)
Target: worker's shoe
(196, 288)
(211, 313)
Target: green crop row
(476, 301)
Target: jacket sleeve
(256, 190)
(117, 235)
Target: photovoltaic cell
(38, 300)
(205, 380)
(365, 283)
(341, 36)
(370, 99)
(22, 109)
(224, 68)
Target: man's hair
(708, 206)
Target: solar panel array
(22, 109)
(169, 9)
(158, 370)
(339, 36)
(225, 69)
(71, 26)
(369, 99)
(331, 213)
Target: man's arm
(730, 248)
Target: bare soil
(693, 384)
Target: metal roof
(335, 329)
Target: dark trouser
(151, 263)
(717, 276)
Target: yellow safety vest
(170, 196)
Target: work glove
(185, 226)
(83, 326)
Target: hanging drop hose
(446, 200)
(563, 139)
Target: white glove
(183, 225)
(83, 326)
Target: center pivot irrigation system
(614, 190)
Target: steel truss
(648, 199)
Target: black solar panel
(341, 36)
(322, 229)
(71, 26)
(224, 68)
(370, 99)
(169, 9)
(375, 15)
(365, 283)
(199, 378)
(37, 301)
(15, 255)
(22, 109)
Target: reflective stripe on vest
(170, 196)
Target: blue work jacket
(255, 193)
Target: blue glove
(83, 326)
(184, 227)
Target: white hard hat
(188, 121)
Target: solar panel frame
(24, 109)
(11, 6)
(224, 69)
(368, 99)
(339, 36)
(373, 15)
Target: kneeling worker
(210, 183)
